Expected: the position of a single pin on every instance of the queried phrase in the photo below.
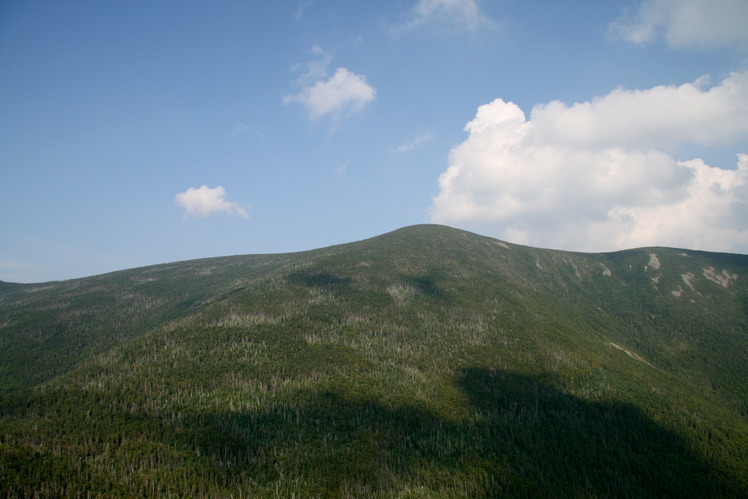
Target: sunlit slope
(48, 328)
(426, 360)
(696, 301)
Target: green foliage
(425, 362)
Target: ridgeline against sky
(425, 362)
(138, 132)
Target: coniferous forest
(427, 362)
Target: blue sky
(135, 133)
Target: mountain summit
(426, 361)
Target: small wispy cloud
(243, 128)
(205, 202)
(343, 169)
(412, 144)
(464, 14)
(343, 93)
(699, 24)
(299, 12)
(239, 129)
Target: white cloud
(463, 13)
(699, 24)
(206, 202)
(661, 115)
(593, 176)
(412, 144)
(341, 94)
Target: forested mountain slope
(425, 361)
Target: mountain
(424, 362)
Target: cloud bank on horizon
(598, 175)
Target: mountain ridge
(669, 274)
(427, 327)
(405, 229)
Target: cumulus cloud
(341, 94)
(661, 115)
(206, 202)
(595, 175)
(463, 13)
(699, 24)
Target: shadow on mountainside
(524, 438)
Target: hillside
(426, 361)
